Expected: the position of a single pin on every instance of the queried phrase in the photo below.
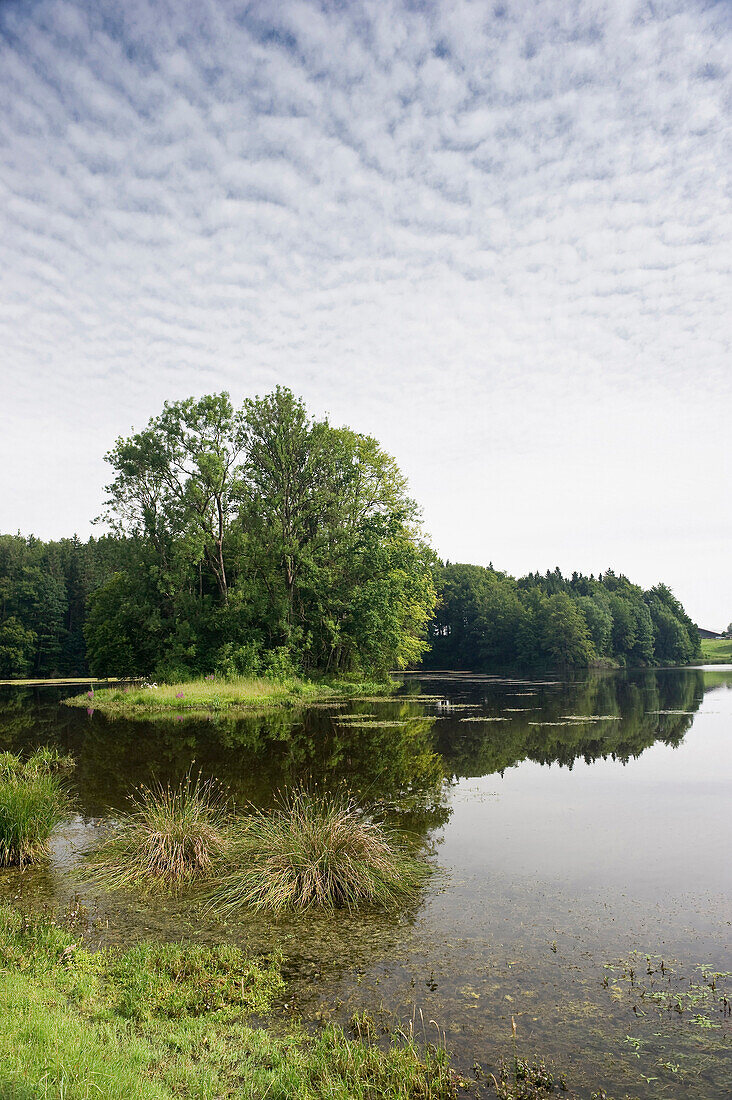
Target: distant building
(709, 633)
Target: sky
(497, 236)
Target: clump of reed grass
(170, 839)
(316, 850)
(32, 805)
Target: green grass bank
(716, 651)
(169, 1020)
(213, 694)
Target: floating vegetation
(524, 1080)
(317, 850)
(591, 717)
(170, 839)
(483, 718)
(518, 710)
(671, 712)
(460, 706)
(562, 722)
(373, 724)
(419, 698)
(376, 699)
(655, 982)
(342, 718)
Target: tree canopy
(259, 535)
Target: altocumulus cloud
(496, 235)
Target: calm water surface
(580, 836)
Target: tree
(565, 635)
(176, 485)
(257, 532)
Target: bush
(279, 664)
(316, 850)
(243, 660)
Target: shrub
(32, 805)
(169, 840)
(316, 850)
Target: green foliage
(261, 541)
(316, 850)
(256, 541)
(44, 589)
(213, 694)
(486, 619)
(175, 980)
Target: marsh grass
(170, 839)
(316, 850)
(32, 805)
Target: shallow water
(562, 845)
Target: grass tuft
(316, 849)
(170, 839)
(32, 804)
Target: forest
(259, 540)
(486, 619)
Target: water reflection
(545, 873)
(396, 753)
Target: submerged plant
(170, 839)
(316, 849)
(32, 805)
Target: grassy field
(211, 694)
(168, 1020)
(716, 651)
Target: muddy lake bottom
(579, 834)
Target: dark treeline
(244, 540)
(487, 619)
(261, 540)
(44, 602)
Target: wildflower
(179, 694)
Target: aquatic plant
(32, 805)
(170, 839)
(316, 849)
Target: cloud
(469, 229)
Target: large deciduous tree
(262, 529)
(176, 485)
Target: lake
(579, 831)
